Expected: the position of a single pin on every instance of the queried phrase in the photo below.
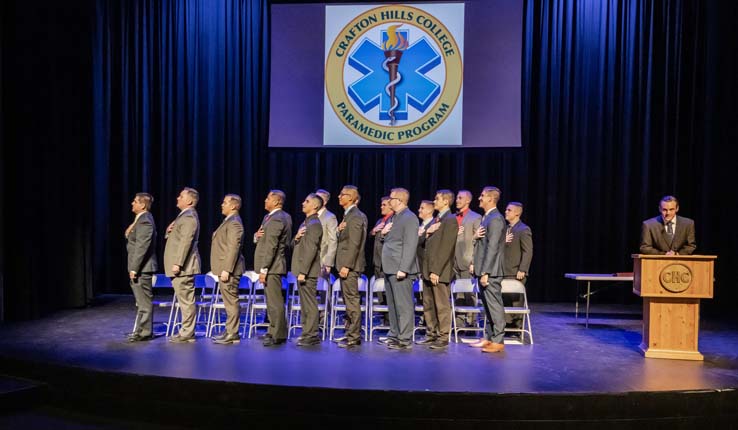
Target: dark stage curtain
(623, 102)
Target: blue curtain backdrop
(623, 101)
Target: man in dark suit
(668, 234)
(425, 214)
(487, 267)
(376, 232)
(437, 270)
(182, 260)
(517, 255)
(142, 264)
(306, 265)
(227, 262)
(272, 240)
(400, 264)
(328, 243)
(350, 261)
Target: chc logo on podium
(394, 74)
(676, 278)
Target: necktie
(669, 229)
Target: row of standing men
(438, 248)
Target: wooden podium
(671, 287)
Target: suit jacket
(464, 254)
(225, 250)
(654, 239)
(377, 254)
(400, 248)
(440, 247)
(306, 254)
(518, 254)
(421, 253)
(181, 248)
(351, 241)
(271, 249)
(329, 241)
(141, 245)
(488, 250)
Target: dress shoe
(228, 339)
(400, 346)
(220, 336)
(139, 338)
(308, 341)
(387, 340)
(494, 347)
(180, 339)
(270, 341)
(349, 343)
(427, 341)
(439, 344)
(339, 339)
(481, 344)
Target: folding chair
(466, 286)
(296, 306)
(513, 286)
(338, 307)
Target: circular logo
(676, 278)
(393, 74)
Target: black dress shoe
(139, 338)
(228, 339)
(400, 346)
(427, 341)
(220, 336)
(308, 341)
(270, 341)
(180, 339)
(439, 344)
(349, 343)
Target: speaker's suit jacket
(225, 249)
(141, 245)
(400, 248)
(464, 254)
(518, 254)
(329, 241)
(271, 249)
(422, 229)
(306, 253)
(351, 241)
(655, 240)
(440, 247)
(488, 249)
(181, 248)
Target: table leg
(586, 324)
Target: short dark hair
(281, 196)
(494, 191)
(448, 195)
(147, 200)
(517, 204)
(194, 195)
(666, 199)
(315, 197)
(236, 199)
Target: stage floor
(566, 358)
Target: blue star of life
(415, 89)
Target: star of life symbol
(382, 83)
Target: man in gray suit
(227, 262)
(350, 261)
(437, 271)
(468, 222)
(272, 240)
(306, 266)
(329, 242)
(487, 267)
(517, 255)
(668, 234)
(141, 247)
(182, 260)
(400, 264)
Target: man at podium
(668, 234)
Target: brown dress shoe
(494, 347)
(481, 344)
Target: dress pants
(352, 299)
(309, 307)
(493, 307)
(515, 300)
(184, 287)
(437, 310)
(142, 291)
(229, 292)
(275, 307)
(401, 307)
